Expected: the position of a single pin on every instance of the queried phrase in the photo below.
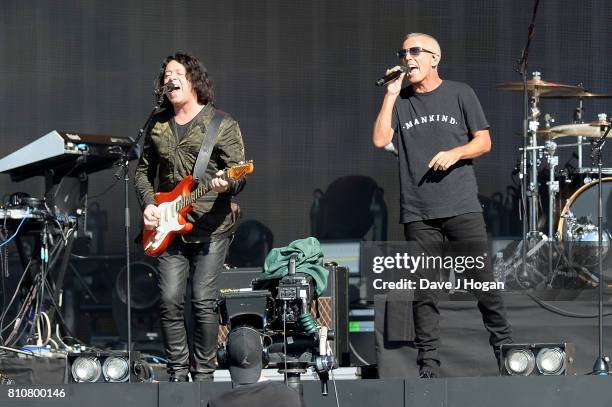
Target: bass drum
(577, 227)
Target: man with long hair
(172, 144)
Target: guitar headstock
(238, 171)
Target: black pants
(393, 356)
(201, 265)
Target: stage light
(537, 359)
(551, 361)
(108, 366)
(86, 369)
(116, 369)
(519, 362)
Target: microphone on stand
(166, 88)
(393, 75)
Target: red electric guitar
(176, 204)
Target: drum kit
(574, 194)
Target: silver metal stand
(534, 124)
(600, 367)
(553, 189)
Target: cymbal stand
(522, 69)
(532, 193)
(600, 367)
(529, 174)
(578, 119)
(553, 189)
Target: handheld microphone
(393, 75)
(391, 148)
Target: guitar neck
(197, 193)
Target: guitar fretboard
(196, 194)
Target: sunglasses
(413, 51)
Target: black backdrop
(298, 76)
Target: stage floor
(536, 317)
(469, 372)
(540, 316)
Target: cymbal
(537, 84)
(543, 132)
(581, 129)
(574, 94)
(599, 123)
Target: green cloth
(308, 262)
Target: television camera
(281, 310)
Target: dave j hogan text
(425, 284)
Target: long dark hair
(196, 75)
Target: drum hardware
(548, 120)
(533, 125)
(553, 189)
(592, 170)
(533, 153)
(535, 88)
(565, 175)
(531, 89)
(601, 364)
(578, 119)
(543, 148)
(565, 92)
(579, 235)
(580, 95)
(521, 260)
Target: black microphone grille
(170, 86)
(165, 88)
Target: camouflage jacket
(171, 160)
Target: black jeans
(469, 227)
(201, 265)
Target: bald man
(440, 128)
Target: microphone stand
(600, 368)
(522, 70)
(123, 163)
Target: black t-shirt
(427, 123)
(261, 394)
(180, 130)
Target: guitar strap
(208, 143)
